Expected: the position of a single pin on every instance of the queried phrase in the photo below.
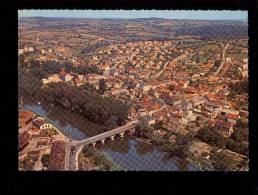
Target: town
(188, 95)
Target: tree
(221, 161)
(102, 86)
(211, 136)
(111, 123)
(143, 128)
(158, 125)
(45, 159)
(197, 60)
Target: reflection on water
(128, 152)
(140, 156)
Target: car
(73, 150)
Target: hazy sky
(208, 15)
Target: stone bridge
(130, 127)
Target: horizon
(137, 14)
(45, 17)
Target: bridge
(129, 127)
(72, 159)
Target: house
(245, 66)
(228, 59)
(142, 112)
(197, 100)
(78, 82)
(226, 111)
(52, 79)
(41, 123)
(225, 128)
(186, 105)
(42, 136)
(34, 155)
(104, 67)
(151, 120)
(132, 112)
(113, 72)
(25, 117)
(20, 51)
(160, 133)
(145, 87)
(67, 78)
(24, 139)
(232, 118)
(81, 77)
(245, 73)
(245, 61)
(42, 144)
(30, 49)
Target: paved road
(173, 61)
(222, 60)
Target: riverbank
(96, 160)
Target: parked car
(73, 150)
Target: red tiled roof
(233, 116)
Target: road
(173, 61)
(222, 60)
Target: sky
(171, 14)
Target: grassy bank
(100, 160)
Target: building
(225, 128)
(25, 117)
(31, 49)
(20, 51)
(104, 67)
(52, 79)
(198, 100)
(41, 123)
(245, 61)
(228, 60)
(232, 118)
(67, 78)
(57, 156)
(24, 139)
(78, 82)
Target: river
(130, 153)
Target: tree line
(105, 110)
(233, 143)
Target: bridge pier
(103, 141)
(122, 134)
(112, 138)
(94, 144)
